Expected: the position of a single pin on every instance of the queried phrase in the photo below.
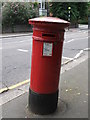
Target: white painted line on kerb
(22, 50)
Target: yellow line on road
(3, 89)
(14, 86)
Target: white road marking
(71, 34)
(70, 41)
(75, 39)
(25, 40)
(67, 58)
(77, 55)
(17, 41)
(86, 49)
(74, 63)
(21, 41)
(81, 51)
(22, 50)
(85, 32)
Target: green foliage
(35, 4)
(82, 8)
(88, 8)
(17, 13)
(84, 21)
(78, 10)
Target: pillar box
(48, 37)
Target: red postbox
(48, 37)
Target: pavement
(73, 94)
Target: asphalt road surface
(16, 54)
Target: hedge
(14, 13)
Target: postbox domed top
(48, 20)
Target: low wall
(17, 28)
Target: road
(16, 54)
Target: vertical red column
(48, 36)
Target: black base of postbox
(42, 103)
